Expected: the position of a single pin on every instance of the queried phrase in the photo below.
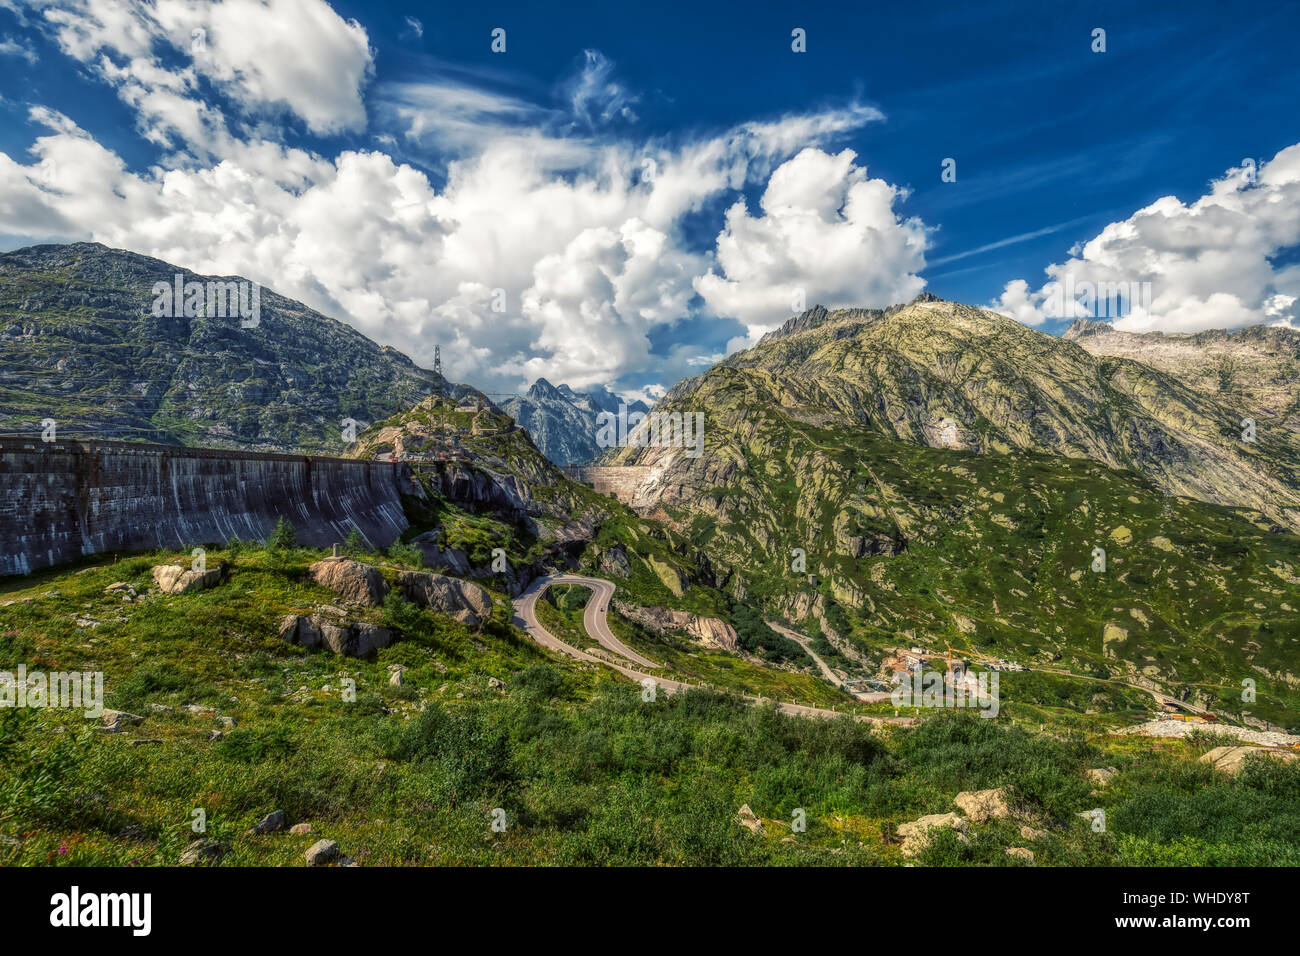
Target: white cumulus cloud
(1208, 264)
(828, 234)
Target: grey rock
(112, 721)
(173, 579)
(273, 822)
(354, 582)
(466, 602)
(200, 851)
(321, 852)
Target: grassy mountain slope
(818, 440)
(481, 484)
(586, 771)
(901, 372)
(79, 344)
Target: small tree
(234, 546)
(282, 536)
(355, 542)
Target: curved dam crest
(64, 500)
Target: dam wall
(617, 481)
(63, 500)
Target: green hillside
(908, 542)
(583, 768)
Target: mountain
(947, 375)
(1256, 369)
(562, 421)
(81, 345)
(947, 473)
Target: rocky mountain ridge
(562, 421)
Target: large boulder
(368, 638)
(353, 639)
(983, 805)
(1231, 759)
(466, 602)
(174, 579)
(322, 852)
(354, 582)
(916, 834)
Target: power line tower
(437, 359)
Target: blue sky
(382, 163)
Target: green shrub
(539, 681)
(257, 744)
(406, 555)
(282, 537)
(471, 756)
(148, 681)
(355, 542)
(400, 614)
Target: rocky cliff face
(563, 422)
(1256, 370)
(80, 345)
(941, 374)
(709, 631)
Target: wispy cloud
(1010, 241)
(10, 47)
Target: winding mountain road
(595, 620)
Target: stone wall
(62, 500)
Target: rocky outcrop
(466, 602)
(439, 558)
(709, 631)
(615, 562)
(350, 638)
(1101, 776)
(354, 582)
(749, 820)
(174, 579)
(1231, 760)
(918, 833)
(982, 805)
(673, 579)
(483, 489)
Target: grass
(585, 770)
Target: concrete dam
(63, 500)
(617, 481)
